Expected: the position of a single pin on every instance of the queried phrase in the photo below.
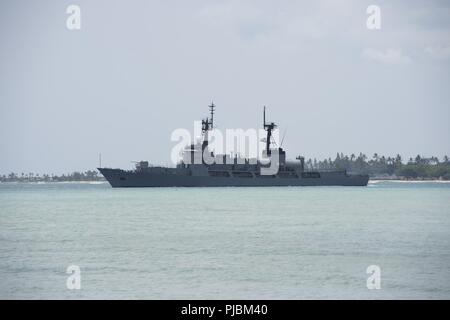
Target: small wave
(51, 182)
(80, 182)
(94, 182)
(423, 181)
(408, 181)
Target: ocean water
(225, 243)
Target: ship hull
(132, 179)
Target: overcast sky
(137, 70)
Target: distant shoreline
(408, 180)
(378, 168)
(56, 182)
(104, 181)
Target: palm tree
(375, 157)
(418, 159)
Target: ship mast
(268, 127)
(211, 109)
(207, 125)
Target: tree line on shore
(376, 166)
(381, 166)
(90, 175)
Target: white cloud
(439, 52)
(388, 56)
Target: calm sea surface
(230, 243)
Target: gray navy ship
(232, 171)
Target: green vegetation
(89, 175)
(381, 166)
